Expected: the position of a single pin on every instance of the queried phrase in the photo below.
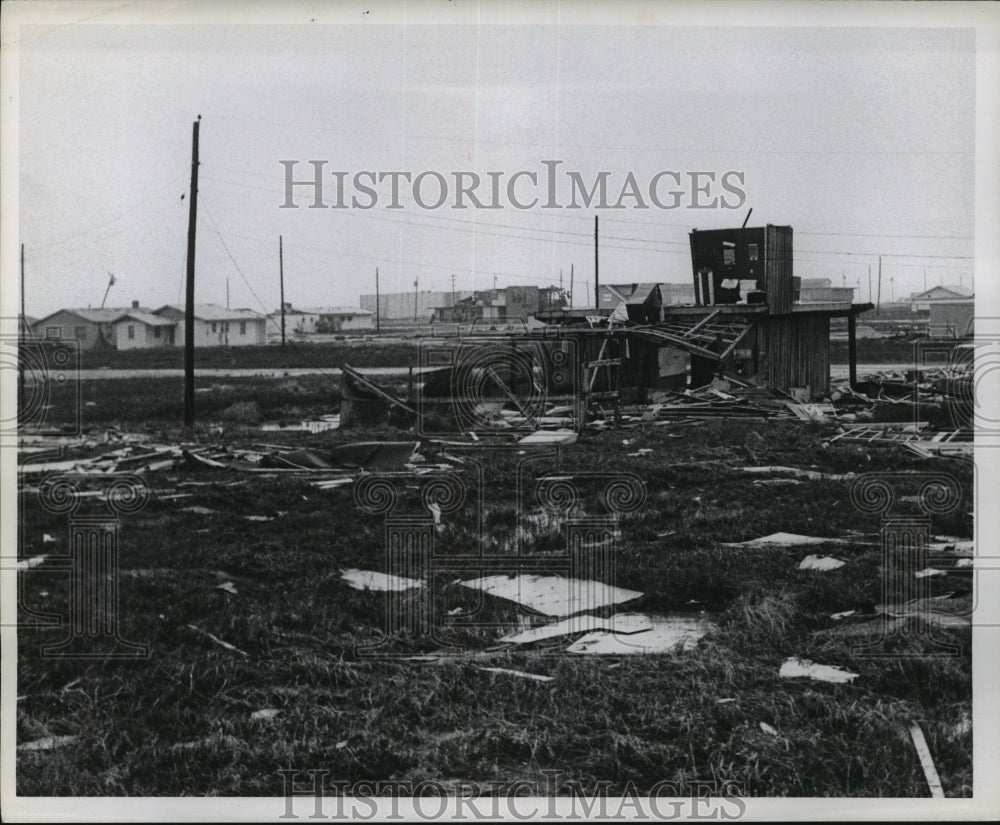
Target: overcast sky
(861, 139)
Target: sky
(861, 139)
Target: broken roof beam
(368, 385)
(703, 322)
(736, 341)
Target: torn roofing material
(665, 634)
(620, 623)
(373, 580)
(552, 595)
(793, 668)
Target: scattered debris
(48, 743)
(929, 571)
(197, 509)
(768, 729)
(27, 564)
(842, 615)
(218, 641)
(229, 587)
(535, 676)
(265, 714)
(620, 623)
(193, 461)
(667, 633)
(560, 436)
(926, 761)
(373, 580)
(784, 540)
(321, 425)
(794, 668)
(820, 563)
(552, 595)
(330, 483)
(259, 518)
(798, 472)
(47, 539)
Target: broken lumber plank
(926, 761)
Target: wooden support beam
(852, 350)
(706, 320)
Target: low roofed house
(822, 291)
(143, 330)
(90, 328)
(216, 326)
(320, 320)
(921, 301)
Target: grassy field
(179, 722)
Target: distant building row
(463, 306)
(139, 327)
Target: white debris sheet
(550, 437)
(552, 595)
(665, 634)
(794, 668)
(373, 580)
(585, 622)
(784, 540)
(820, 563)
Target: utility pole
(869, 283)
(415, 294)
(227, 293)
(892, 291)
(597, 300)
(571, 286)
(189, 297)
(22, 334)
(378, 305)
(281, 278)
(560, 280)
(453, 297)
(925, 279)
(878, 302)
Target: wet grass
(179, 722)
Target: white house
(142, 330)
(922, 301)
(216, 326)
(309, 320)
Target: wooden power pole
(281, 278)
(378, 305)
(597, 288)
(189, 296)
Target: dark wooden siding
(778, 268)
(794, 351)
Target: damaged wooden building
(746, 321)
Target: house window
(80, 333)
(156, 332)
(131, 331)
(214, 328)
(243, 327)
(752, 249)
(53, 332)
